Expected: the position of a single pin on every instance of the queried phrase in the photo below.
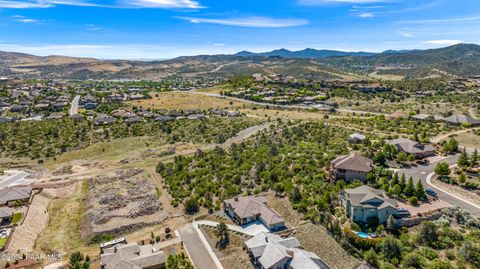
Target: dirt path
(442, 137)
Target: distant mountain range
(306, 53)
(457, 60)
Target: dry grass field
(62, 232)
(469, 140)
(186, 101)
(233, 256)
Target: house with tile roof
(16, 193)
(461, 119)
(270, 251)
(249, 209)
(132, 256)
(351, 167)
(365, 202)
(413, 148)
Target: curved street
(421, 172)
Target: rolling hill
(457, 60)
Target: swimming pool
(362, 234)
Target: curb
(429, 182)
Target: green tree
(440, 264)
(191, 206)
(410, 188)
(371, 258)
(402, 157)
(397, 190)
(427, 233)
(471, 253)
(222, 234)
(413, 260)
(442, 169)
(462, 178)
(391, 248)
(450, 146)
(391, 226)
(463, 159)
(419, 190)
(475, 157)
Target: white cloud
(21, 4)
(254, 22)
(446, 42)
(473, 18)
(219, 44)
(366, 15)
(164, 3)
(320, 2)
(27, 20)
(409, 35)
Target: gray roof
(251, 206)
(422, 117)
(271, 250)
(368, 197)
(15, 193)
(353, 162)
(459, 119)
(131, 256)
(5, 212)
(410, 146)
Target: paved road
(275, 105)
(198, 248)
(11, 180)
(422, 171)
(74, 105)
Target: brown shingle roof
(251, 206)
(353, 162)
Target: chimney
(266, 239)
(290, 253)
(236, 199)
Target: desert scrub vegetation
(387, 128)
(288, 158)
(45, 139)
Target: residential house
(422, 117)
(270, 251)
(245, 210)
(417, 150)
(6, 215)
(10, 195)
(132, 256)
(365, 202)
(461, 119)
(356, 138)
(104, 120)
(164, 118)
(351, 167)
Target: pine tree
(463, 159)
(475, 157)
(410, 188)
(420, 190)
(402, 181)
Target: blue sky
(157, 29)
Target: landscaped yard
(16, 218)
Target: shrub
(413, 201)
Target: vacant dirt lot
(122, 201)
(314, 238)
(24, 237)
(186, 101)
(233, 256)
(62, 232)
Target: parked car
(431, 193)
(402, 213)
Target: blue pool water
(362, 234)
